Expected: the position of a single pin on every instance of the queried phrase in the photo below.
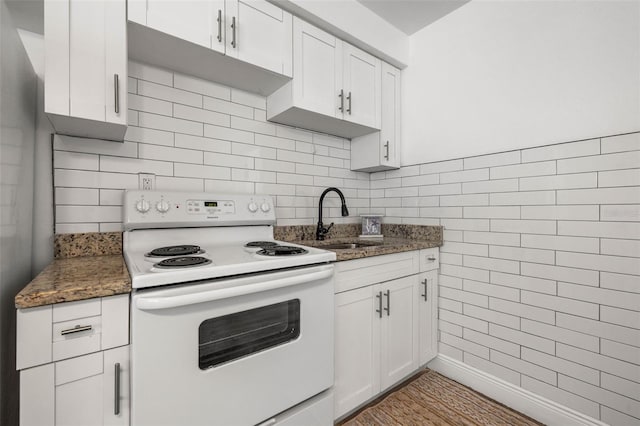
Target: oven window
(240, 334)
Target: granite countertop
(76, 278)
(387, 245)
(397, 238)
(86, 265)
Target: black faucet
(321, 231)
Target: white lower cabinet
(384, 330)
(84, 391)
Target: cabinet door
(115, 394)
(390, 119)
(362, 79)
(115, 71)
(191, 20)
(399, 330)
(87, 63)
(357, 356)
(428, 302)
(260, 33)
(317, 69)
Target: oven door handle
(167, 302)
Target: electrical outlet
(146, 181)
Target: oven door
(233, 351)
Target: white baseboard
(531, 404)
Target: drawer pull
(431, 259)
(76, 329)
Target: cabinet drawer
(429, 259)
(56, 332)
(357, 273)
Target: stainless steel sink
(342, 246)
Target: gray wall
(18, 88)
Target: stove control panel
(159, 209)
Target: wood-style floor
(432, 399)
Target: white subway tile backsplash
(166, 93)
(620, 282)
(465, 200)
(559, 273)
(623, 160)
(492, 342)
(496, 238)
(620, 334)
(524, 367)
(464, 176)
(492, 316)
(253, 126)
(580, 180)
(620, 351)
(465, 321)
(507, 212)
(608, 398)
(226, 107)
(621, 386)
(628, 213)
(146, 104)
(228, 134)
(150, 136)
(441, 167)
(563, 366)
(524, 254)
(464, 297)
(570, 337)
(603, 296)
(159, 122)
(226, 160)
(491, 160)
(148, 73)
(76, 196)
(564, 150)
(600, 229)
(554, 242)
(201, 115)
(201, 171)
(522, 198)
(86, 179)
(250, 99)
(613, 417)
(629, 177)
(624, 265)
(629, 195)
(75, 160)
(621, 317)
(561, 304)
(522, 170)
(166, 153)
(628, 142)
(133, 165)
(523, 282)
(465, 345)
(93, 146)
(444, 189)
(196, 85)
(583, 405)
(179, 183)
(522, 310)
(492, 368)
(523, 339)
(500, 292)
(466, 224)
(560, 212)
(502, 185)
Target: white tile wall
(550, 237)
(197, 135)
(540, 270)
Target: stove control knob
(142, 206)
(265, 207)
(162, 206)
(253, 207)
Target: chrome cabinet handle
(341, 96)
(388, 308)
(233, 33)
(424, 282)
(219, 25)
(386, 146)
(379, 310)
(349, 99)
(116, 392)
(76, 329)
(116, 91)
(431, 259)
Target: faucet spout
(321, 231)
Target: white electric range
(228, 326)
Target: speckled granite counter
(397, 238)
(86, 266)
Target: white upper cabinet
(361, 82)
(253, 36)
(189, 20)
(380, 151)
(86, 67)
(335, 87)
(259, 33)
